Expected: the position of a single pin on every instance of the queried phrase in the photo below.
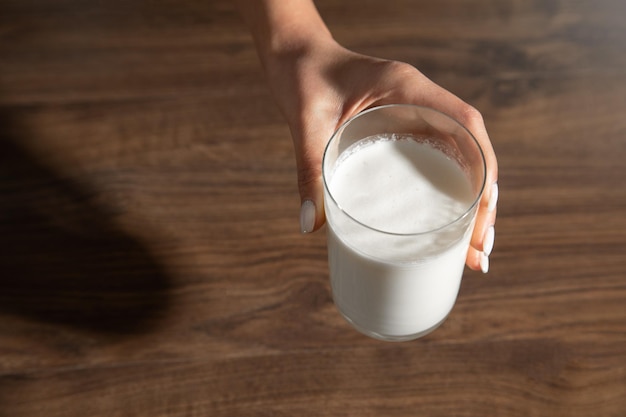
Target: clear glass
(384, 292)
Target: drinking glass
(399, 285)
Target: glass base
(392, 338)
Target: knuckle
(471, 115)
(400, 68)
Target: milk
(400, 216)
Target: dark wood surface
(150, 256)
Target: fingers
(482, 240)
(483, 237)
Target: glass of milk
(401, 190)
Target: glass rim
(469, 209)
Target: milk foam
(399, 185)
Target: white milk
(402, 283)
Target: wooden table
(151, 262)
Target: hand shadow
(62, 258)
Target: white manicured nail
(307, 216)
(488, 240)
(493, 199)
(484, 263)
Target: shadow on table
(62, 259)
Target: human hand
(318, 85)
(322, 85)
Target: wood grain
(150, 259)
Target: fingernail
(307, 216)
(493, 199)
(484, 263)
(488, 240)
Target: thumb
(309, 145)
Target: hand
(323, 85)
(318, 85)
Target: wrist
(284, 27)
